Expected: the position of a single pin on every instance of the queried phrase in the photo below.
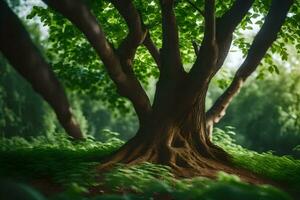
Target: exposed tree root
(185, 161)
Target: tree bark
(173, 131)
(17, 47)
(175, 135)
(118, 64)
(261, 43)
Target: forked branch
(136, 34)
(262, 41)
(127, 84)
(226, 25)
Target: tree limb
(208, 52)
(136, 35)
(210, 22)
(227, 24)
(79, 14)
(225, 27)
(195, 7)
(149, 44)
(233, 17)
(127, 84)
(262, 41)
(17, 47)
(171, 59)
(196, 47)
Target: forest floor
(57, 169)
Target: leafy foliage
(18, 101)
(73, 165)
(56, 157)
(24, 113)
(282, 169)
(266, 113)
(154, 180)
(77, 63)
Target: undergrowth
(284, 169)
(72, 166)
(55, 157)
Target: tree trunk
(175, 135)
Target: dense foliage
(78, 65)
(254, 128)
(18, 101)
(266, 114)
(71, 167)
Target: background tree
(174, 128)
(267, 123)
(17, 47)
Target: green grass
(284, 169)
(72, 165)
(56, 157)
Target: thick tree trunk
(170, 142)
(175, 135)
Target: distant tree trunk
(17, 47)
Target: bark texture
(176, 132)
(175, 129)
(176, 136)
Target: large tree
(174, 128)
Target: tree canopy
(77, 63)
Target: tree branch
(136, 35)
(227, 24)
(195, 7)
(196, 47)
(233, 17)
(208, 52)
(262, 41)
(17, 47)
(171, 59)
(127, 84)
(149, 44)
(78, 13)
(225, 27)
(210, 22)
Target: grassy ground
(61, 169)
